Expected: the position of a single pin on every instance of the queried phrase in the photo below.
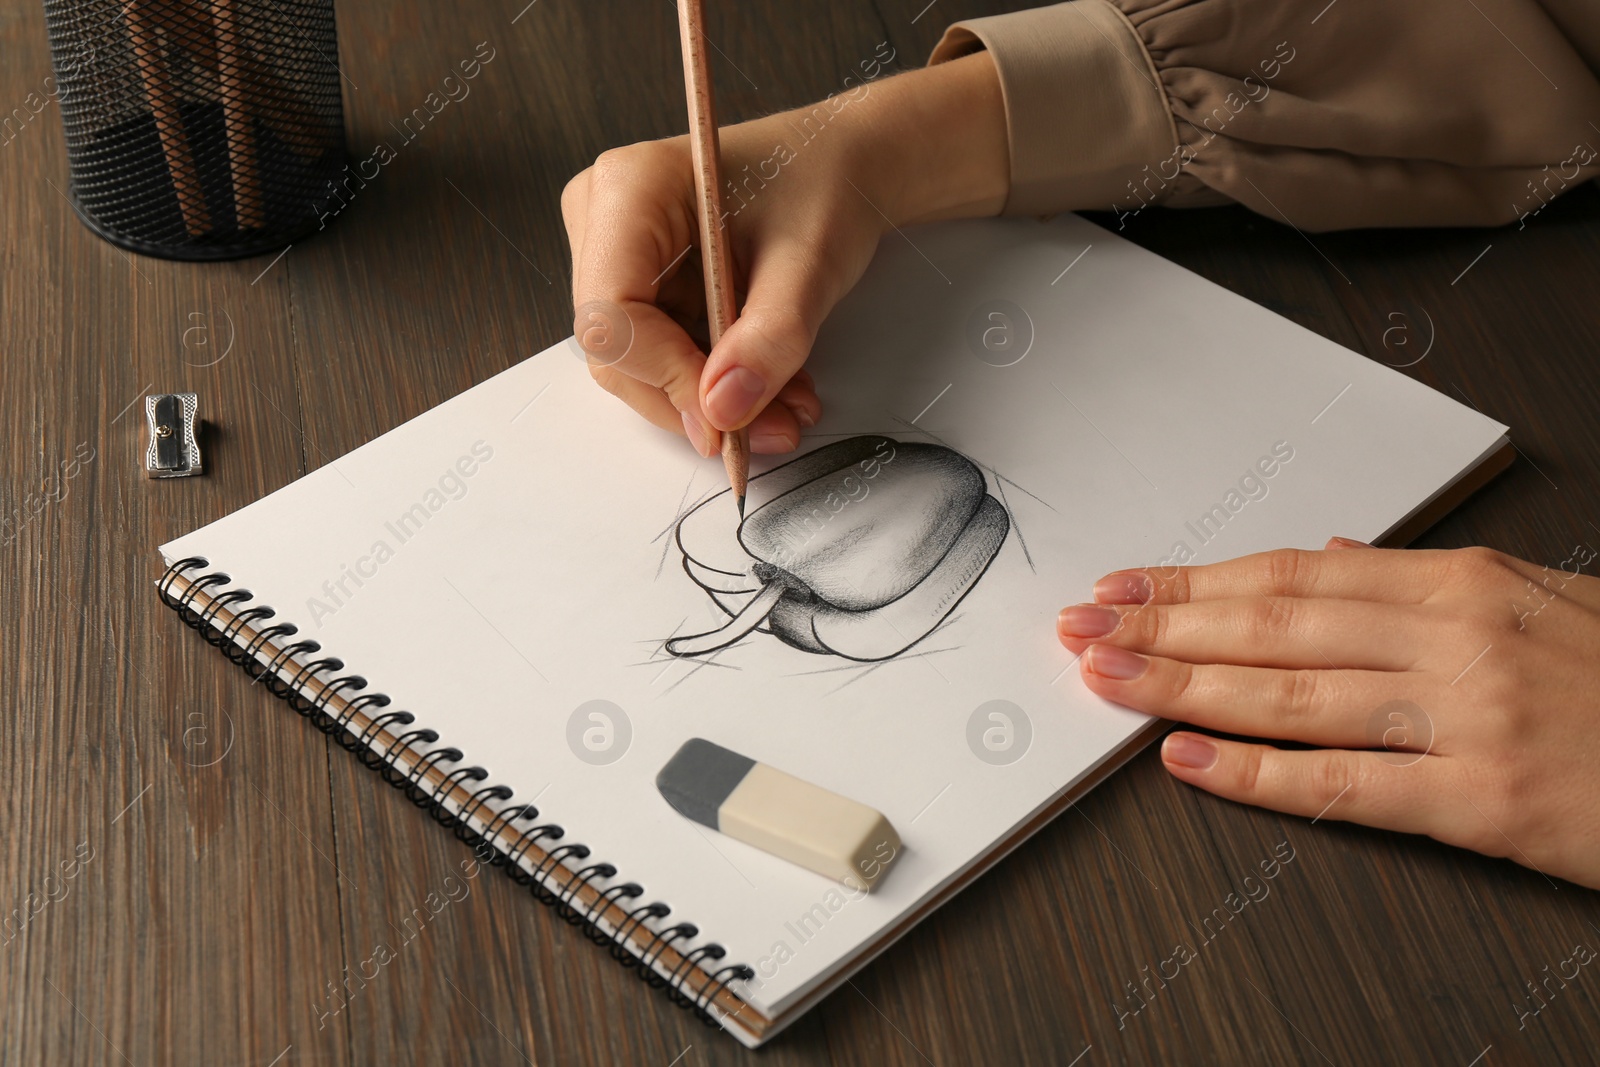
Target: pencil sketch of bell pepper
(858, 549)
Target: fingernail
(803, 417)
(697, 436)
(1188, 750)
(735, 393)
(1345, 542)
(1109, 661)
(1086, 620)
(1124, 587)
(771, 444)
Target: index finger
(1394, 576)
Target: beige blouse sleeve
(1413, 113)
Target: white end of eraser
(806, 824)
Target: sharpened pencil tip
(740, 501)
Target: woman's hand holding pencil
(807, 195)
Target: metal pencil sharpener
(174, 449)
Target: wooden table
(228, 863)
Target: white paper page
(549, 576)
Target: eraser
(779, 813)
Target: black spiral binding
(561, 897)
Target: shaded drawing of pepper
(858, 549)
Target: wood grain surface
(208, 865)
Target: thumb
(769, 342)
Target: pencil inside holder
(199, 129)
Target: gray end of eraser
(699, 778)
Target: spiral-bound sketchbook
(519, 605)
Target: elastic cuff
(1085, 112)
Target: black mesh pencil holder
(199, 129)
